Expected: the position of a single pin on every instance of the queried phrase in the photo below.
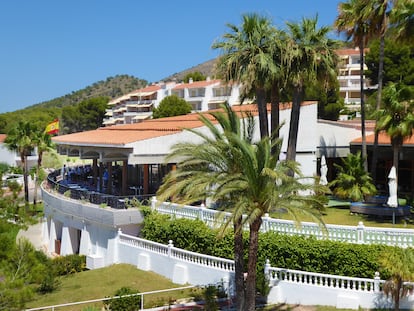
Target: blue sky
(51, 48)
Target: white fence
(351, 234)
(307, 288)
(179, 265)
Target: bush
(131, 303)
(69, 264)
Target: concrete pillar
(45, 231)
(66, 243)
(124, 177)
(52, 236)
(84, 247)
(109, 186)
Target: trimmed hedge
(290, 252)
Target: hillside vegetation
(45, 112)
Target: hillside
(206, 68)
(112, 87)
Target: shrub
(130, 303)
(69, 264)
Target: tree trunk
(378, 106)
(25, 179)
(239, 263)
(263, 119)
(294, 123)
(275, 113)
(251, 266)
(361, 77)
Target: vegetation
(352, 182)
(126, 302)
(194, 76)
(227, 167)
(171, 106)
(43, 113)
(400, 264)
(397, 117)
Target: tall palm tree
(378, 17)
(352, 21)
(397, 117)
(20, 139)
(247, 59)
(226, 166)
(42, 141)
(311, 58)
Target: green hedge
(290, 252)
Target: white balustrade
(351, 234)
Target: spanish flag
(52, 128)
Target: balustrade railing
(180, 254)
(352, 234)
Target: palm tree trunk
(263, 119)
(275, 113)
(239, 263)
(361, 76)
(378, 106)
(294, 123)
(251, 266)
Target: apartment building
(349, 77)
(209, 94)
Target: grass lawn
(100, 283)
(337, 213)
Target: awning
(216, 101)
(142, 94)
(109, 122)
(109, 113)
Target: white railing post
(170, 246)
(265, 222)
(201, 212)
(153, 203)
(267, 269)
(377, 282)
(360, 233)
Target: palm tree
(247, 59)
(397, 117)
(402, 20)
(399, 263)
(352, 21)
(20, 139)
(43, 143)
(353, 182)
(311, 58)
(378, 17)
(227, 167)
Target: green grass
(338, 213)
(100, 283)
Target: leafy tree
(227, 167)
(4, 168)
(247, 58)
(171, 106)
(398, 262)
(398, 62)
(85, 116)
(352, 182)
(195, 76)
(352, 20)
(397, 116)
(312, 57)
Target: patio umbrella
(392, 185)
(324, 170)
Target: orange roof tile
(383, 139)
(127, 133)
(2, 138)
(349, 51)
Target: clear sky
(51, 48)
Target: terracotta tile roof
(2, 138)
(195, 84)
(122, 134)
(344, 52)
(150, 88)
(383, 139)
(356, 124)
